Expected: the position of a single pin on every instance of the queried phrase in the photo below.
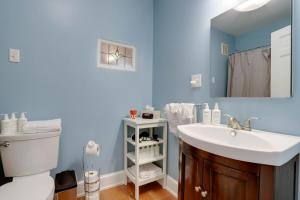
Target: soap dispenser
(216, 115)
(21, 122)
(13, 123)
(5, 125)
(206, 114)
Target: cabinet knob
(204, 194)
(198, 188)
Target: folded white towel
(42, 126)
(146, 171)
(179, 114)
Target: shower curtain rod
(260, 47)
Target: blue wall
(182, 35)
(259, 37)
(58, 76)
(219, 62)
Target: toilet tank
(28, 154)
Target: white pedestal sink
(250, 146)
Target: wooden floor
(152, 191)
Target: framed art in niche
(117, 56)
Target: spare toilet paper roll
(92, 148)
(92, 187)
(92, 196)
(91, 176)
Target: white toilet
(28, 158)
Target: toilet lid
(28, 188)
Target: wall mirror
(251, 50)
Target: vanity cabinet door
(224, 183)
(190, 177)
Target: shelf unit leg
(137, 192)
(137, 166)
(165, 135)
(125, 152)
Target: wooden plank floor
(152, 191)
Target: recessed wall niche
(117, 56)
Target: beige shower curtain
(249, 73)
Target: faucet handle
(247, 123)
(230, 119)
(227, 115)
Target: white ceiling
(236, 23)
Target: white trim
(107, 181)
(172, 186)
(118, 178)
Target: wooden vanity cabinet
(205, 176)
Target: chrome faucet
(235, 124)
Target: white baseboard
(172, 186)
(107, 181)
(118, 178)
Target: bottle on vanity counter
(206, 114)
(216, 115)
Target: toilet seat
(35, 187)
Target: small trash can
(66, 186)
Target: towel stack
(32, 127)
(146, 171)
(179, 114)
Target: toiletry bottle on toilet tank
(14, 123)
(206, 114)
(5, 125)
(21, 122)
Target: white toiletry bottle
(5, 125)
(21, 122)
(216, 115)
(13, 123)
(206, 114)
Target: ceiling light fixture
(250, 5)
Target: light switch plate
(196, 80)
(213, 80)
(14, 55)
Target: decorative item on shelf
(91, 151)
(155, 137)
(133, 113)
(150, 113)
(144, 136)
(147, 116)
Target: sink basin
(250, 146)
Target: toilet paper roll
(92, 196)
(91, 176)
(92, 148)
(92, 187)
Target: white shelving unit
(134, 156)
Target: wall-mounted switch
(196, 81)
(14, 55)
(213, 80)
